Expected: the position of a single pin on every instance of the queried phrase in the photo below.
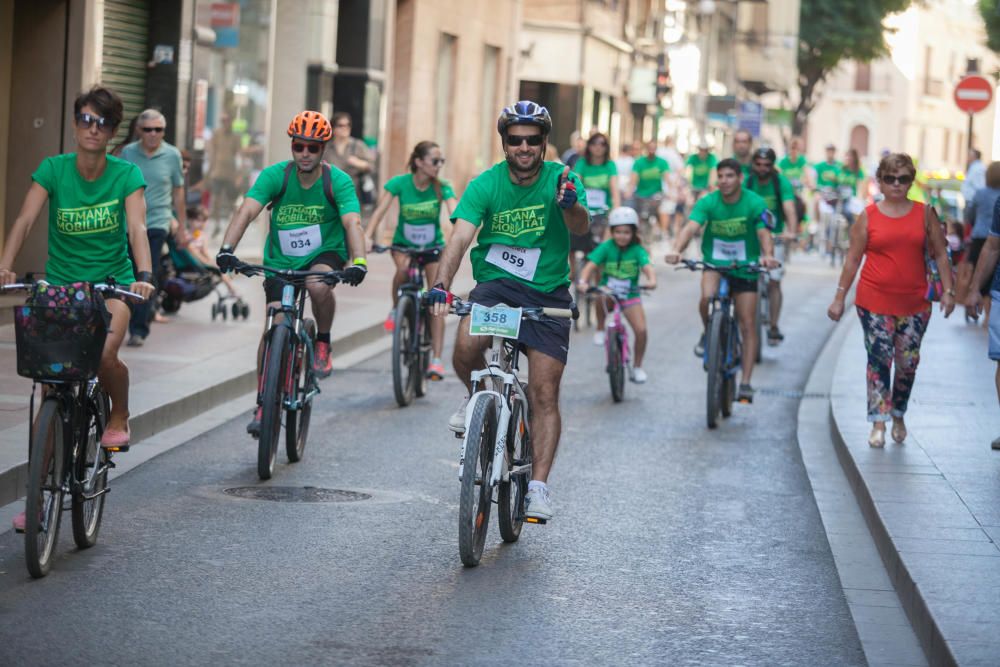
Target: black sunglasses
(147, 130)
(905, 179)
(85, 121)
(301, 148)
(532, 139)
(438, 161)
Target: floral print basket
(60, 332)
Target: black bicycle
(288, 382)
(65, 456)
(411, 336)
(723, 346)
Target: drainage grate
(296, 494)
(790, 393)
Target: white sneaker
(538, 504)
(639, 376)
(457, 421)
(599, 338)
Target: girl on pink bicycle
(621, 260)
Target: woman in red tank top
(891, 300)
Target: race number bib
(521, 262)
(300, 242)
(499, 320)
(620, 286)
(732, 251)
(597, 200)
(419, 235)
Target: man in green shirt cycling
(315, 218)
(734, 232)
(522, 212)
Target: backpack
(777, 192)
(327, 185)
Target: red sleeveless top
(894, 275)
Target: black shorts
(274, 287)
(741, 285)
(550, 336)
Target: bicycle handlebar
(409, 250)
(289, 275)
(605, 290)
(694, 265)
(103, 288)
(463, 308)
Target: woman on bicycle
(853, 182)
(621, 259)
(421, 193)
(600, 180)
(96, 210)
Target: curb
(14, 480)
(928, 632)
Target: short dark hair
(339, 116)
(104, 101)
(729, 163)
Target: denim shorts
(994, 326)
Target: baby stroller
(186, 279)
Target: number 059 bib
(521, 262)
(300, 242)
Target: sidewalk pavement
(933, 503)
(193, 364)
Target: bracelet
(144, 277)
(841, 289)
(360, 261)
(951, 292)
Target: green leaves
(990, 11)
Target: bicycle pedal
(536, 520)
(119, 449)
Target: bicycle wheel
(510, 494)
(272, 397)
(402, 344)
(43, 506)
(760, 318)
(716, 366)
(423, 357)
(730, 346)
(476, 496)
(90, 472)
(302, 382)
(616, 366)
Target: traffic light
(663, 83)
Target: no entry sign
(973, 94)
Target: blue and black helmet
(524, 112)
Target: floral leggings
(888, 339)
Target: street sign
(973, 94)
(751, 116)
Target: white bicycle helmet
(623, 215)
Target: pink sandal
(19, 522)
(115, 439)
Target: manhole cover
(296, 494)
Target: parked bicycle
(496, 448)
(411, 335)
(65, 456)
(617, 351)
(287, 383)
(723, 347)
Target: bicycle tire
(475, 499)
(271, 400)
(760, 320)
(713, 394)
(729, 380)
(510, 494)
(402, 365)
(90, 471)
(616, 366)
(297, 421)
(423, 354)
(43, 506)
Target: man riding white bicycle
(779, 194)
(522, 210)
(735, 232)
(315, 219)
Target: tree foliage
(990, 11)
(831, 32)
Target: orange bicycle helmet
(310, 126)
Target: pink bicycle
(616, 342)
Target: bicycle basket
(60, 333)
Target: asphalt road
(671, 545)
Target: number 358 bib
(521, 262)
(300, 242)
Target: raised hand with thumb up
(566, 195)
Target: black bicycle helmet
(524, 112)
(765, 153)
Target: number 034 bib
(300, 242)
(521, 262)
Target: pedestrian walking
(986, 267)
(893, 236)
(979, 213)
(223, 177)
(162, 169)
(350, 155)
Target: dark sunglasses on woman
(301, 148)
(904, 179)
(85, 121)
(438, 161)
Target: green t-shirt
(793, 171)
(701, 169)
(304, 224)
(620, 267)
(419, 212)
(767, 192)
(88, 233)
(730, 230)
(745, 167)
(651, 171)
(827, 174)
(597, 181)
(852, 178)
(522, 235)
